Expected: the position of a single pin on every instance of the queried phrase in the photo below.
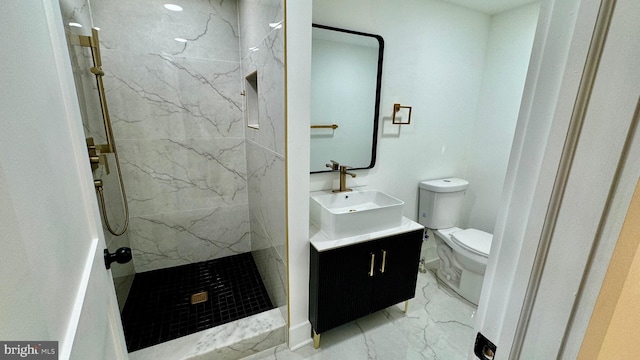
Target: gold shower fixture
(93, 42)
(98, 152)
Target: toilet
(463, 253)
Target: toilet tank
(440, 202)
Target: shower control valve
(96, 159)
(99, 160)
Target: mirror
(346, 72)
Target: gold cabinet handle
(384, 260)
(373, 260)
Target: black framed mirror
(346, 76)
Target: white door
(53, 282)
(538, 299)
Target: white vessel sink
(345, 214)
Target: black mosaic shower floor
(159, 308)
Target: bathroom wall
(298, 105)
(177, 111)
(262, 50)
(78, 11)
(456, 68)
(177, 117)
(507, 59)
(433, 61)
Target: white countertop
(321, 242)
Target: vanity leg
(406, 306)
(316, 340)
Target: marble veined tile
(258, 18)
(173, 239)
(268, 61)
(273, 271)
(123, 286)
(439, 325)
(112, 193)
(267, 215)
(266, 193)
(164, 176)
(76, 11)
(155, 97)
(226, 342)
(210, 28)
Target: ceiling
(490, 6)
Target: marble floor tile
(438, 325)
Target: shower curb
(230, 341)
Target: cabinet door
(340, 285)
(396, 282)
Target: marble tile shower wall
(77, 11)
(177, 116)
(262, 50)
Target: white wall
(559, 51)
(298, 103)
(507, 59)
(433, 61)
(463, 72)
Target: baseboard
(300, 335)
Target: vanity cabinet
(355, 280)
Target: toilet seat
(476, 241)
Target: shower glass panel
(201, 187)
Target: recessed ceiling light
(173, 7)
(181, 40)
(75, 24)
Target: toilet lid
(474, 240)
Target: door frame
(56, 240)
(531, 296)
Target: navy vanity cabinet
(353, 281)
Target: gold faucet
(343, 179)
(333, 165)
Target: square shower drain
(199, 297)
